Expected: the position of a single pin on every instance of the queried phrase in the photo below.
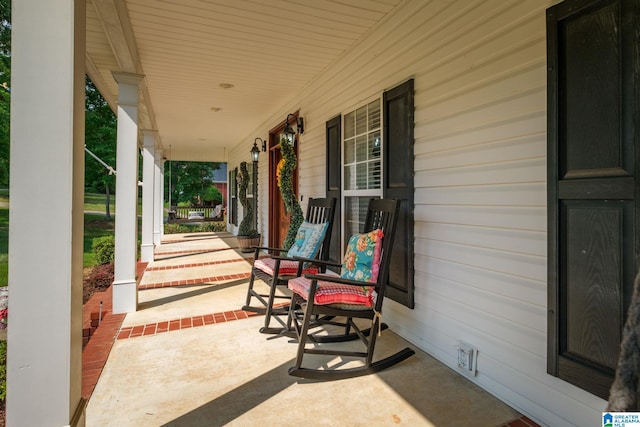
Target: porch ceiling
(188, 50)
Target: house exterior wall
(480, 179)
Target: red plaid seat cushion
(352, 297)
(287, 268)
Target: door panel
(592, 182)
(278, 217)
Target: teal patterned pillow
(308, 240)
(362, 258)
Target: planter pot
(246, 243)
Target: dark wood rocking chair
(325, 298)
(277, 268)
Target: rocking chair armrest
(340, 280)
(318, 261)
(269, 249)
(283, 258)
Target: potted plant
(247, 236)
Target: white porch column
(46, 215)
(148, 194)
(125, 290)
(158, 222)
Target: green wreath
(285, 183)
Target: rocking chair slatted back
(276, 269)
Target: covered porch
(201, 80)
(189, 357)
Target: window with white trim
(362, 163)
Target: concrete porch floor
(190, 357)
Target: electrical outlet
(467, 358)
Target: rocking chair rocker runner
(277, 268)
(358, 293)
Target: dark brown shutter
(398, 184)
(592, 182)
(334, 168)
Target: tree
(100, 138)
(190, 181)
(5, 91)
(212, 195)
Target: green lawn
(96, 202)
(95, 225)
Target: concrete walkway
(190, 357)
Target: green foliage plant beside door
(285, 182)
(247, 236)
(247, 208)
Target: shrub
(103, 249)
(99, 279)
(3, 370)
(213, 226)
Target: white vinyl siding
(479, 69)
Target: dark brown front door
(279, 219)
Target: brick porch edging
(183, 323)
(194, 264)
(198, 281)
(101, 339)
(158, 255)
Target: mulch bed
(96, 279)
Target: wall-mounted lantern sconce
(255, 154)
(262, 143)
(288, 131)
(255, 151)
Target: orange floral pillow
(362, 258)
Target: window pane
(355, 213)
(374, 115)
(232, 183)
(361, 120)
(349, 177)
(361, 148)
(374, 174)
(349, 151)
(349, 125)
(374, 145)
(361, 181)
